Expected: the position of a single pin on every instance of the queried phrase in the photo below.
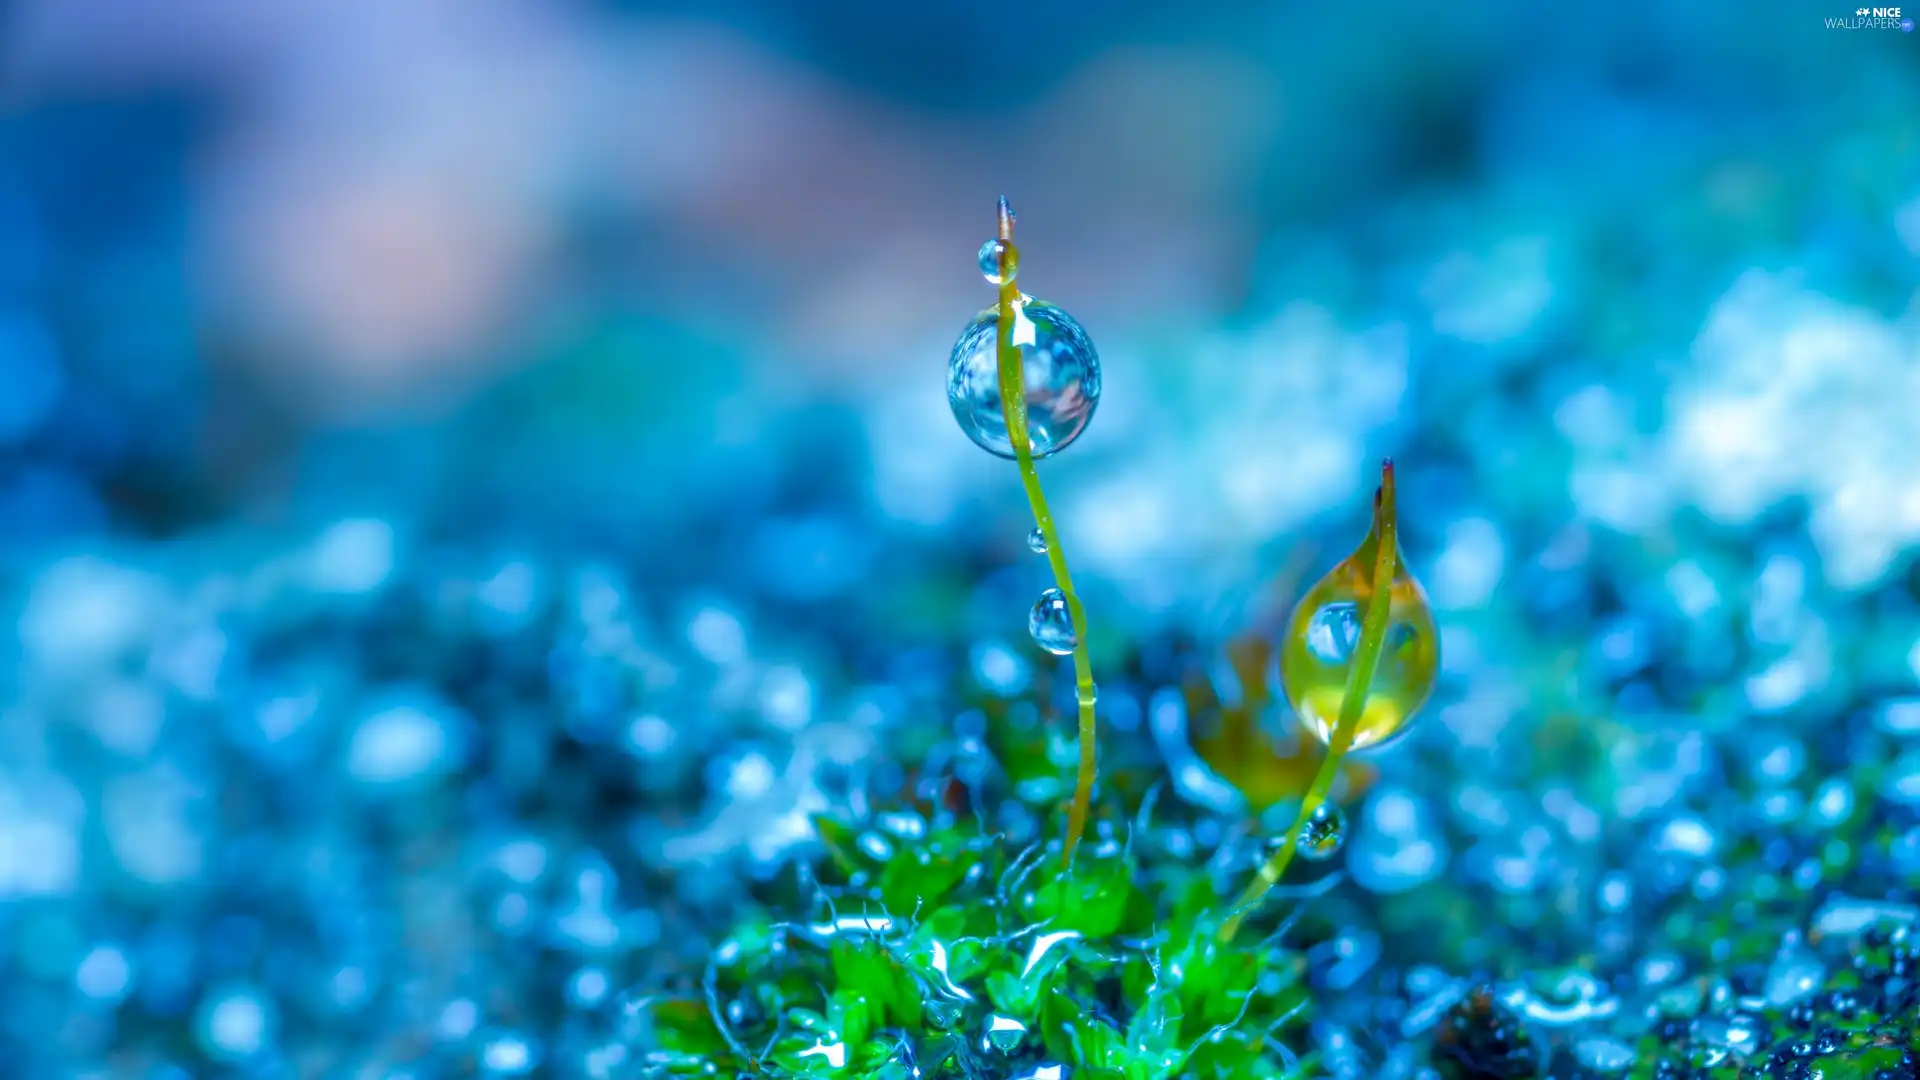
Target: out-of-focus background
(590, 262)
(309, 305)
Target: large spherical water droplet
(1061, 371)
(1326, 830)
(999, 261)
(1051, 623)
(1037, 542)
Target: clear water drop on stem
(1051, 623)
(1325, 831)
(1037, 542)
(999, 261)
(1323, 639)
(1061, 375)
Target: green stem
(1366, 658)
(1013, 405)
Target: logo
(1874, 18)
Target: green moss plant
(949, 953)
(1013, 399)
(1375, 578)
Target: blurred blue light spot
(589, 987)
(37, 857)
(522, 860)
(31, 380)
(508, 597)
(235, 1024)
(507, 1055)
(511, 913)
(353, 556)
(1000, 670)
(403, 741)
(457, 1020)
(649, 735)
(718, 635)
(105, 974)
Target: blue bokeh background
(414, 412)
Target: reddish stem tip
(1383, 495)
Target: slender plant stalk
(1013, 405)
(1366, 658)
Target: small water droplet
(904, 824)
(1567, 999)
(1051, 624)
(1061, 371)
(874, 846)
(1796, 973)
(1713, 1038)
(1037, 542)
(999, 261)
(835, 1052)
(1004, 1033)
(1326, 830)
(1323, 640)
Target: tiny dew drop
(1037, 542)
(1323, 639)
(1325, 831)
(1003, 1033)
(1059, 366)
(1051, 623)
(874, 846)
(999, 261)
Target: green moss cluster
(944, 952)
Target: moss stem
(1013, 405)
(1366, 658)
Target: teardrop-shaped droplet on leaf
(1324, 637)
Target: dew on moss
(1321, 640)
(1003, 1033)
(999, 261)
(1060, 369)
(1050, 623)
(1324, 833)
